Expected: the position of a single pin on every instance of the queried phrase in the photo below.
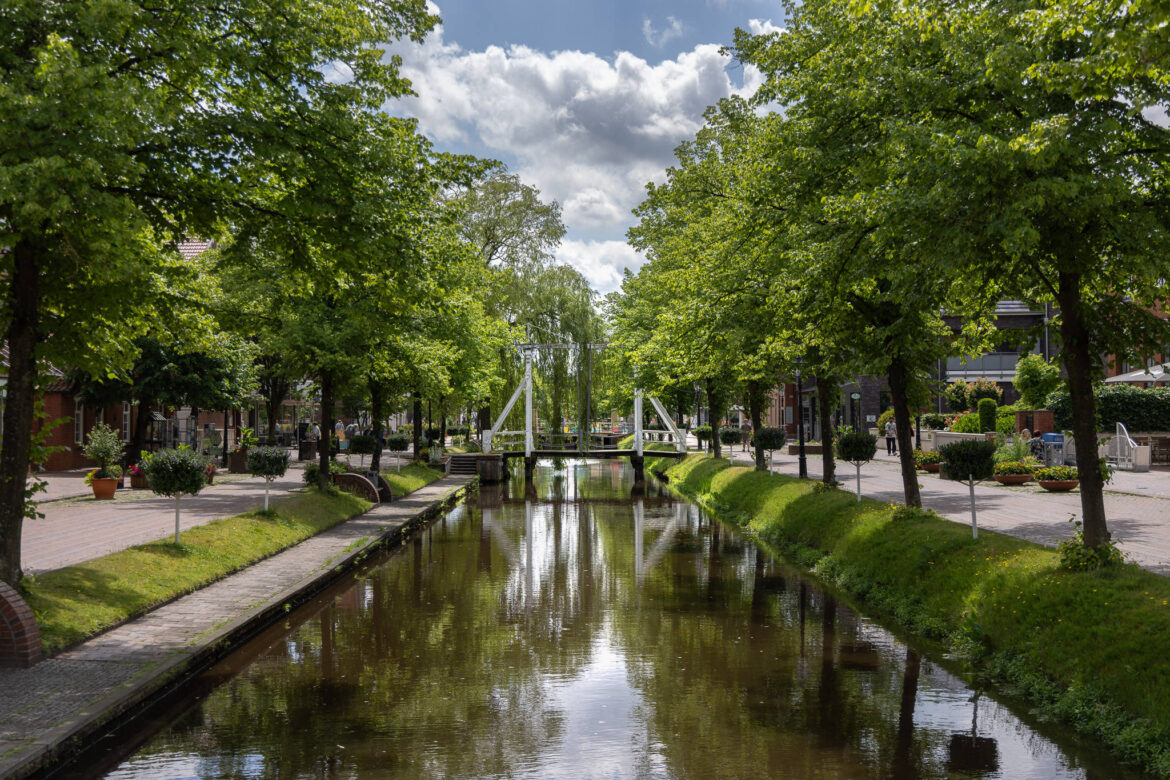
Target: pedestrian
(316, 432)
(891, 438)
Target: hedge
(1138, 408)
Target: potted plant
(138, 480)
(927, 461)
(1058, 479)
(970, 461)
(1014, 472)
(267, 462)
(857, 447)
(175, 472)
(209, 472)
(238, 458)
(103, 446)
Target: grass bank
(412, 477)
(1085, 648)
(79, 601)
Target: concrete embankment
(54, 709)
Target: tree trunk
(138, 440)
(755, 405)
(1078, 360)
(16, 445)
(485, 417)
(325, 445)
(443, 422)
(276, 391)
(378, 410)
(416, 430)
(714, 415)
(827, 391)
(899, 395)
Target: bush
(398, 442)
(1056, 473)
(1017, 466)
(956, 395)
(923, 458)
(268, 462)
(968, 460)
(1138, 408)
(362, 444)
(702, 433)
(175, 472)
(432, 433)
(983, 388)
(103, 446)
(987, 415)
(771, 438)
(1013, 449)
(856, 447)
(730, 436)
(967, 422)
(1075, 556)
(884, 418)
(313, 468)
(1035, 378)
(934, 422)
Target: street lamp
(800, 421)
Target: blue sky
(584, 100)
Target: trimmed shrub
(730, 436)
(268, 462)
(987, 415)
(856, 447)
(969, 460)
(771, 439)
(363, 445)
(884, 418)
(966, 423)
(175, 472)
(983, 388)
(313, 468)
(702, 433)
(398, 442)
(934, 421)
(956, 395)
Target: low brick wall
(20, 637)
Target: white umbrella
(1155, 373)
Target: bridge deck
(592, 453)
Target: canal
(577, 627)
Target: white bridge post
(528, 404)
(638, 422)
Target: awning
(1155, 373)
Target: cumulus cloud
(763, 27)
(601, 262)
(659, 38)
(588, 131)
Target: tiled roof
(195, 247)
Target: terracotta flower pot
(1058, 485)
(1013, 479)
(931, 468)
(104, 488)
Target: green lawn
(1087, 648)
(411, 478)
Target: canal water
(579, 626)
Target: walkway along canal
(575, 627)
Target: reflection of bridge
(530, 453)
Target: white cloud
(763, 27)
(659, 38)
(601, 262)
(588, 131)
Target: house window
(125, 422)
(78, 423)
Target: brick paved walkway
(82, 529)
(1141, 523)
(43, 706)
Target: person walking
(891, 438)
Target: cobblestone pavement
(1140, 523)
(42, 706)
(82, 529)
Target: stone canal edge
(53, 710)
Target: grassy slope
(1088, 648)
(411, 478)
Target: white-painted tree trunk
(266, 481)
(858, 467)
(974, 525)
(176, 519)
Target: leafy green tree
(267, 462)
(126, 128)
(1035, 378)
(175, 472)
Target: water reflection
(569, 627)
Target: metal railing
(1121, 449)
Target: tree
(858, 448)
(1035, 378)
(175, 472)
(128, 129)
(970, 461)
(267, 462)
